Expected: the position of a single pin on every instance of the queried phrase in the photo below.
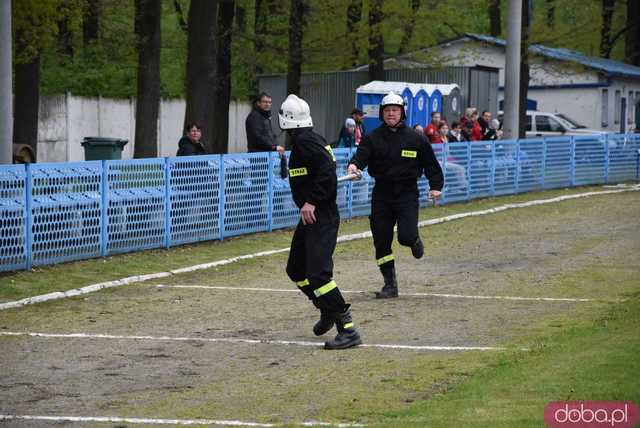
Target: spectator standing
(431, 131)
(484, 121)
(347, 137)
(260, 135)
(455, 134)
(493, 132)
(190, 144)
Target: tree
(296, 34)
(147, 29)
(35, 25)
(632, 34)
(605, 30)
(220, 118)
(91, 22)
(354, 16)
(376, 41)
(201, 58)
(408, 27)
(551, 13)
(495, 21)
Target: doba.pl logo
(591, 414)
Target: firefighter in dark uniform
(312, 176)
(396, 156)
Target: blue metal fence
(52, 213)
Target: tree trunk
(147, 29)
(296, 34)
(408, 27)
(25, 103)
(65, 37)
(260, 33)
(495, 20)
(376, 41)
(551, 13)
(91, 21)
(201, 57)
(605, 30)
(632, 35)
(524, 68)
(219, 122)
(354, 16)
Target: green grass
(591, 359)
(66, 276)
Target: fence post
(543, 171)
(270, 167)
(350, 187)
(467, 171)
(493, 168)
(104, 210)
(28, 224)
(638, 165)
(518, 168)
(445, 155)
(167, 203)
(221, 197)
(606, 158)
(572, 154)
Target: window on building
(631, 108)
(528, 124)
(605, 108)
(616, 107)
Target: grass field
(216, 351)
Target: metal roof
(608, 66)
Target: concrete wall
(66, 119)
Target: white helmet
(392, 99)
(294, 113)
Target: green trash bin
(101, 148)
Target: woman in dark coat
(190, 144)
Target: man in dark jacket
(260, 136)
(396, 156)
(312, 176)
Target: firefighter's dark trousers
(391, 204)
(310, 263)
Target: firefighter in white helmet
(396, 156)
(312, 176)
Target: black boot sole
(344, 345)
(386, 295)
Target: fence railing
(52, 213)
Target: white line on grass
(443, 295)
(345, 238)
(146, 421)
(236, 340)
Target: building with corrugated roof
(596, 92)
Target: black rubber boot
(417, 249)
(347, 336)
(390, 289)
(326, 320)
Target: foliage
(108, 66)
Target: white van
(543, 124)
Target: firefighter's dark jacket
(312, 169)
(400, 155)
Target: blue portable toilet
(435, 101)
(420, 105)
(369, 96)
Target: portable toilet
(369, 96)
(451, 105)
(420, 105)
(435, 99)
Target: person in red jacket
(471, 115)
(431, 131)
